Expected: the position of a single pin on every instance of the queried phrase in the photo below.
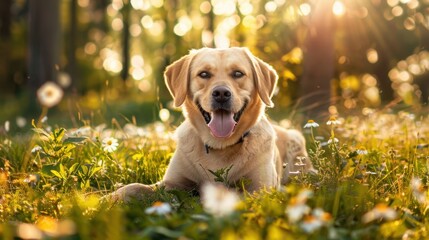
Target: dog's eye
(237, 74)
(205, 75)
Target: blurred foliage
(117, 50)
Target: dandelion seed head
(49, 94)
(21, 122)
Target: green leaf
(47, 169)
(57, 174)
(94, 171)
(63, 171)
(73, 167)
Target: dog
(223, 94)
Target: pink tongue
(222, 124)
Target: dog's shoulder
(187, 137)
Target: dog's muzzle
(222, 120)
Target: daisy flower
(295, 211)
(311, 224)
(333, 140)
(362, 151)
(297, 206)
(218, 200)
(418, 190)
(36, 149)
(315, 221)
(311, 124)
(49, 94)
(380, 211)
(159, 208)
(110, 144)
(333, 121)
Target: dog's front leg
(133, 191)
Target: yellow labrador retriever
(223, 93)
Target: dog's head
(223, 91)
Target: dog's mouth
(221, 122)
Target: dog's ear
(177, 78)
(265, 78)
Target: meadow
(371, 183)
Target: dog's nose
(221, 94)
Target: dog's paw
(130, 192)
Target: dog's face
(224, 90)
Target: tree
(44, 41)
(318, 69)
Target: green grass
(379, 165)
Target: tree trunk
(318, 61)
(5, 18)
(44, 32)
(125, 41)
(72, 70)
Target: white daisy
(418, 190)
(295, 211)
(315, 221)
(333, 140)
(218, 200)
(110, 144)
(311, 124)
(159, 208)
(36, 148)
(297, 206)
(333, 121)
(380, 211)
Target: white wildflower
(315, 221)
(218, 200)
(110, 144)
(311, 124)
(36, 148)
(362, 151)
(159, 208)
(380, 211)
(418, 190)
(7, 126)
(297, 206)
(333, 121)
(49, 94)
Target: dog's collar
(238, 142)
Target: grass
(371, 184)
